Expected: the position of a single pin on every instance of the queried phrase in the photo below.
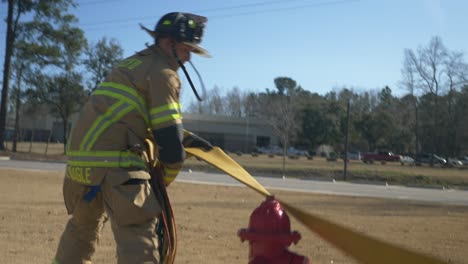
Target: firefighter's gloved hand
(164, 173)
(169, 175)
(192, 140)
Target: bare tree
(56, 81)
(251, 105)
(235, 102)
(215, 101)
(100, 58)
(438, 73)
(409, 82)
(461, 109)
(63, 95)
(429, 65)
(43, 15)
(16, 96)
(454, 70)
(281, 112)
(15, 10)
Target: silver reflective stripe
(137, 101)
(123, 93)
(100, 124)
(98, 159)
(111, 159)
(168, 112)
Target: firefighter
(107, 174)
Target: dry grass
(320, 168)
(37, 148)
(32, 217)
(317, 168)
(320, 163)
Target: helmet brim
(199, 50)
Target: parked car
(453, 162)
(430, 159)
(406, 160)
(464, 160)
(379, 156)
(352, 155)
(297, 152)
(332, 156)
(275, 150)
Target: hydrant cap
(270, 218)
(269, 222)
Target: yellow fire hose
(361, 247)
(166, 227)
(167, 234)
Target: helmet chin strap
(187, 75)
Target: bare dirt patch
(32, 217)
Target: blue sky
(322, 44)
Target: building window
(263, 141)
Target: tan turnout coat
(141, 94)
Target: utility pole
(246, 141)
(416, 114)
(10, 40)
(345, 172)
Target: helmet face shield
(196, 27)
(183, 27)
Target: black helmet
(183, 27)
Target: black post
(417, 125)
(345, 173)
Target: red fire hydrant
(269, 235)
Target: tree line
(431, 117)
(48, 61)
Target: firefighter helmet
(183, 27)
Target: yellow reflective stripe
(168, 172)
(106, 118)
(139, 108)
(112, 115)
(100, 164)
(107, 164)
(130, 63)
(166, 177)
(165, 113)
(99, 153)
(165, 119)
(169, 175)
(104, 159)
(124, 93)
(126, 89)
(168, 181)
(164, 108)
(107, 124)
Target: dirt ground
(32, 217)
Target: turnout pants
(132, 209)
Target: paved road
(444, 196)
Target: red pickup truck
(380, 156)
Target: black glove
(192, 140)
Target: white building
(230, 133)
